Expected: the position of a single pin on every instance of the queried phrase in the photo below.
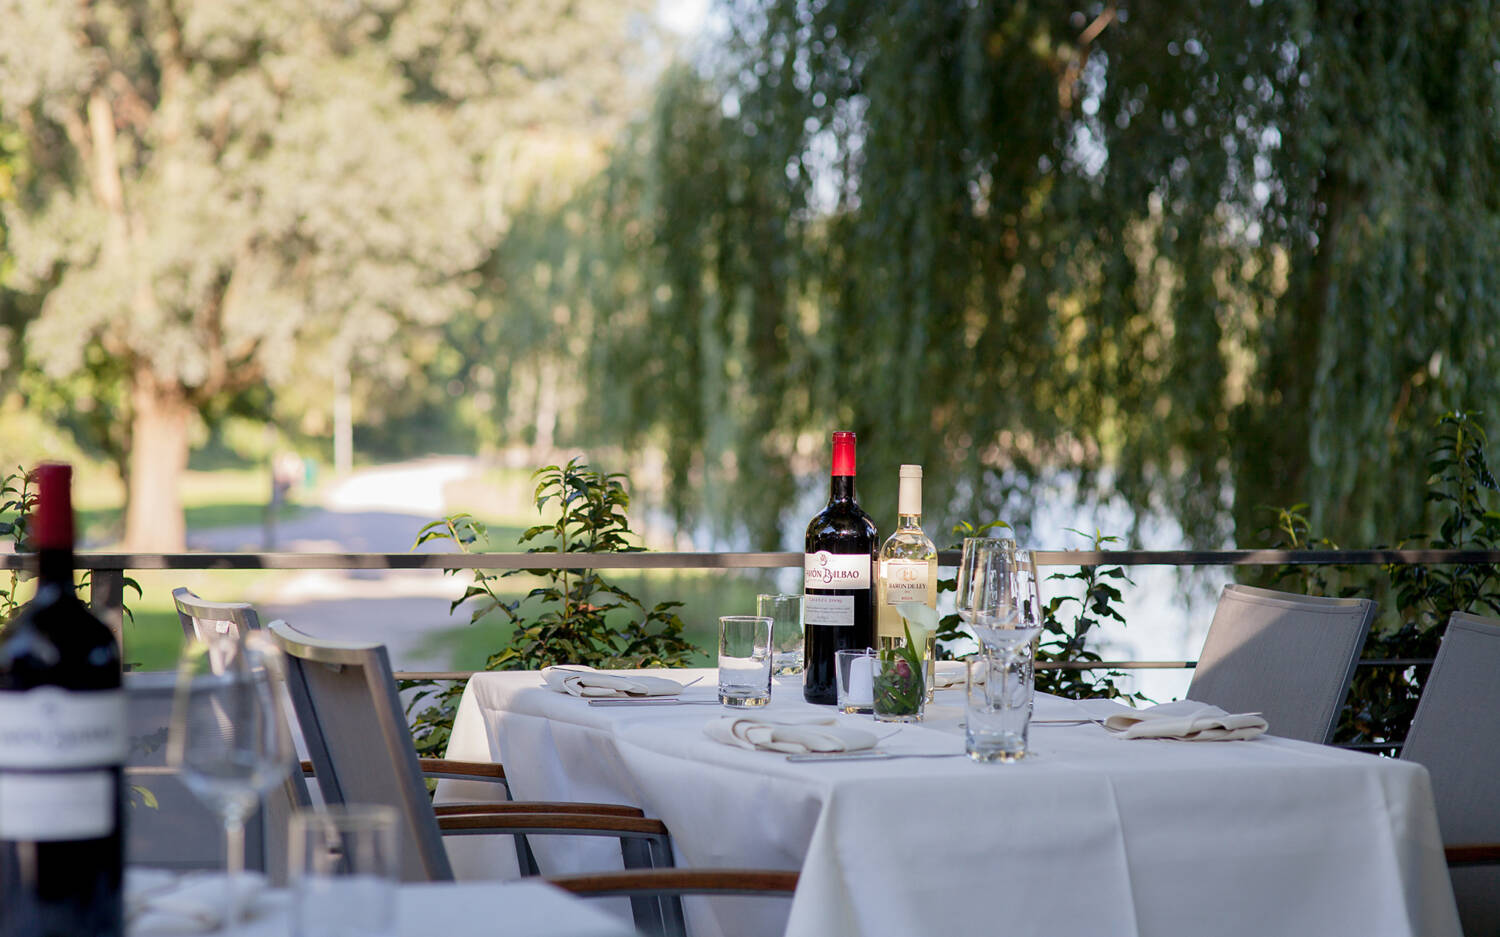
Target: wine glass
(228, 739)
(996, 598)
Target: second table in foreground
(1094, 836)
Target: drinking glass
(999, 603)
(227, 738)
(744, 660)
(785, 612)
(997, 708)
(899, 688)
(854, 670)
(344, 869)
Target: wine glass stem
(234, 867)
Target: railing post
(107, 601)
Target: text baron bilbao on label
(824, 570)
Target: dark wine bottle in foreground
(838, 607)
(62, 747)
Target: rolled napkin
(793, 738)
(578, 680)
(1188, 720)
(162, 902)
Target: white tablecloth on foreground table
(462, 909)
(1096, 836)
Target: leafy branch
(577, 616)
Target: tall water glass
(785, 612)
(997, 708)
(344, 869)
(744, 660)
(228, 739)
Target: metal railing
(107, 572)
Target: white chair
(1454, 735)
(203, 619)
(1287, 656)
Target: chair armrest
(539, 806)
(462, 770)
(680, 882)
(1473, 854)
(576, 824)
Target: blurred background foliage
(1187, 257)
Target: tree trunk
(154, 520)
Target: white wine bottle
(907, 571)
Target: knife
(653, 701)
(867, 755)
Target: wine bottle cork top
(52, 522)
(909, 490)
(843, 453)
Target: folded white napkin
(578, 680)
(950, 674)
(162, 902)
(1186, 719)
(794, 738)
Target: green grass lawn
(502, 498)
(221, 498)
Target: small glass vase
(900, 684)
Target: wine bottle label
(48, 806)
(834, 610)
(824, 570)
(50, 728)
(50, 739)
(905, 580)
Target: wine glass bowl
(227, 738)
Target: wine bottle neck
(55, 566)
(841, 488)
(909, 521)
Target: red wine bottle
(62, 746)
(838, 605)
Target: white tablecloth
(1094, 836)
(466, 909)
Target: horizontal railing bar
(1044, 665)
(694, 560)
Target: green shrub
(576, 617)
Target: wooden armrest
(680, 881)
(587, 823)
(477, 770)
(539, 806)
(1473, 854)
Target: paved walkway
(377, 510)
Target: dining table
(1091, 834)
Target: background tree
(219, 196)
(1205, 257)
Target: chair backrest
(358, 741)
(168, 825)
(202, 619)
(1287, 656)
(1453, 736)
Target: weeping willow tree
(1201, 257)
